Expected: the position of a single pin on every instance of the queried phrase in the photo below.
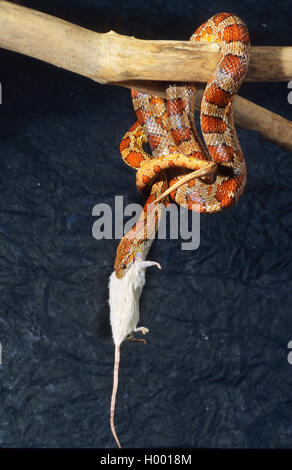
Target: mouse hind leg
(138, 340)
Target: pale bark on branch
(121, 60)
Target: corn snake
(169, 127)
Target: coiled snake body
(176, 147)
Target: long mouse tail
(114, 393)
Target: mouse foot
(136, 340)
(142, 329)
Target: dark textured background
(214, 372)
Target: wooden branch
(112, 57)
(120, 60)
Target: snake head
(124, 258)
(129, 252)
(134, 246)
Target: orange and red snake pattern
(169, 127)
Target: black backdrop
(214, 372)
